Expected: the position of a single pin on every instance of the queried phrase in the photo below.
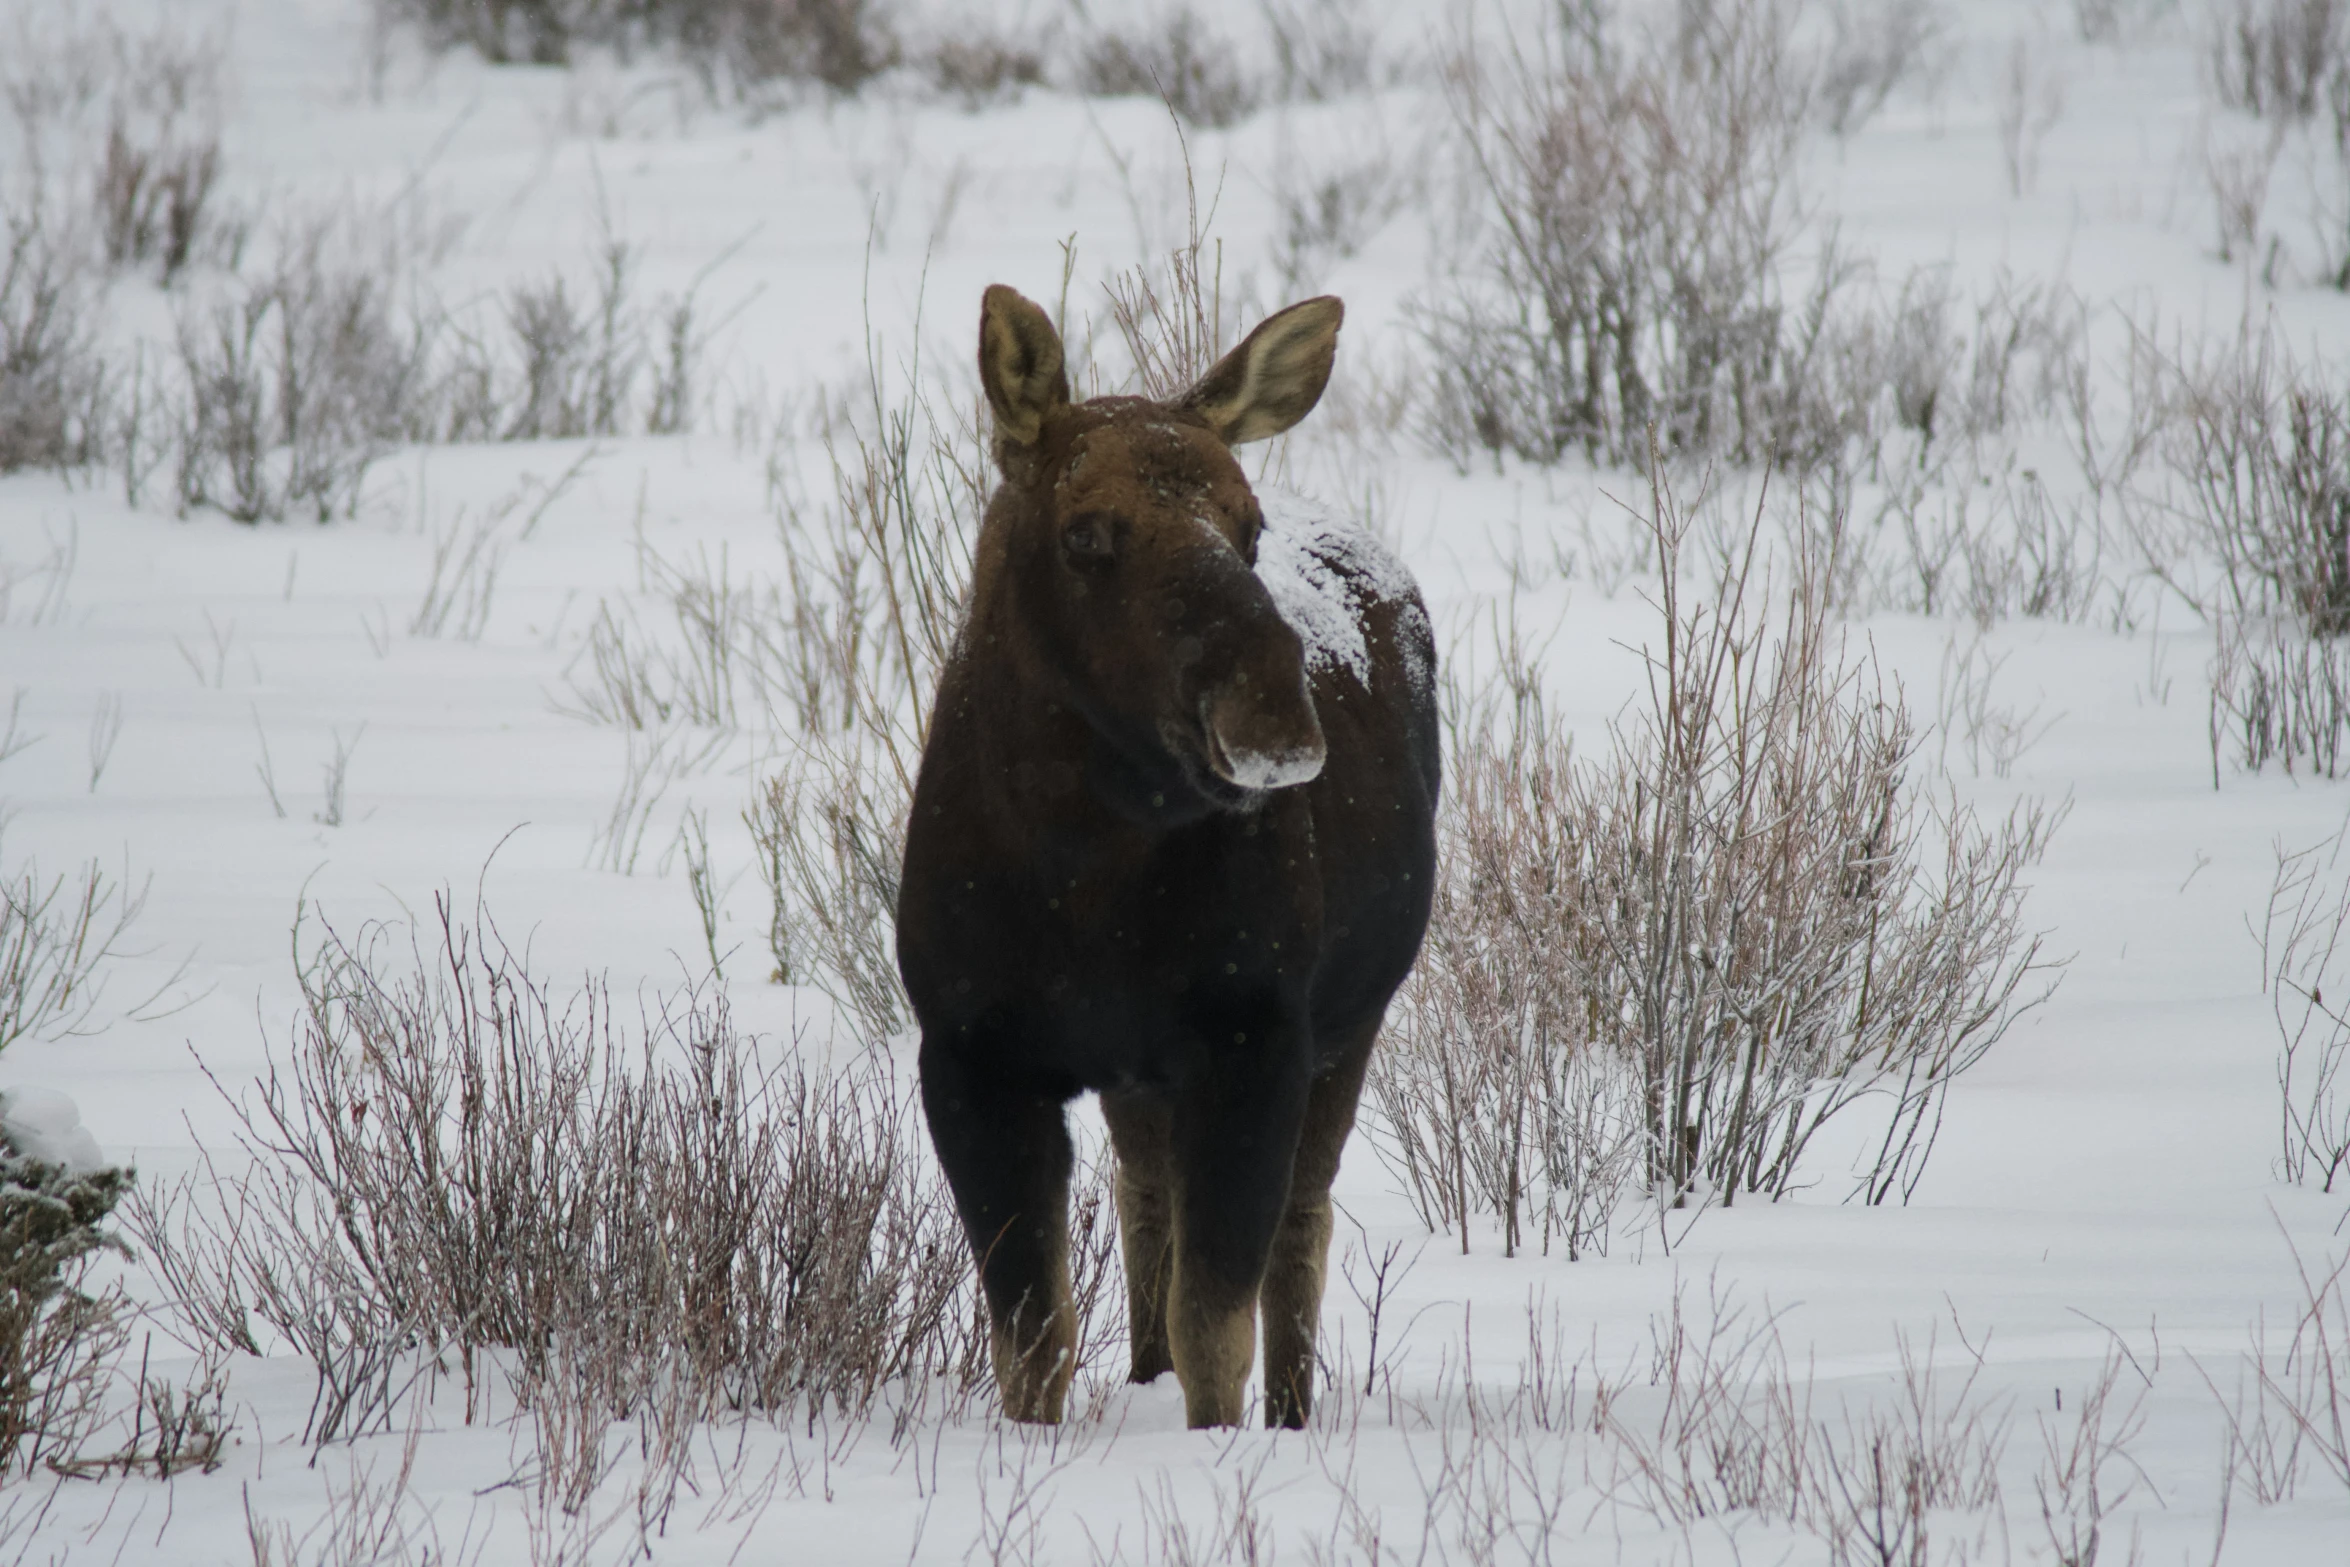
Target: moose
(1171, 842)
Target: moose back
(1172, 842)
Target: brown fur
(1153, 855)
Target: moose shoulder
(1172, 842)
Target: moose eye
(1090, 538)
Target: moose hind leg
(1007, 1157)
(1292, 1295)
(1140, 1131)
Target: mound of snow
(41, 1123)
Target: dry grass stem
(2301, 948)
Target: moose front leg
(1005, 1150)
(1235, 1136)
(1141, 1129)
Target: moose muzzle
(1262, 736)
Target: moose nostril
(1259, 749)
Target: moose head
(1128, 561)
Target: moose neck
(1048, 768)
(1047, 760)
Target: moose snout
(1262, 739)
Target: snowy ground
(2103, 1193)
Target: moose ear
(1274, 378)
(1019, 363)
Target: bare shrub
(372, 1519)
(2031, 101)
(2111, 437)
(1172, 317)
(2238, 171)
(173, 1428)
(1329, 217)
(2327, 212)
(1642, 215)
(335, 777)
(50, 581)
(749, 45)
(1872, 47)
(2288, 1412)
(1922, 351)
(711, 666)
(257, 1259)
(155, 184)
(1735, 1427)
(1990, 732)
(739, 46)
(2277, 695)
(1178, 1531)
(1720, 1431)
(51, 73)
(977, 62)
(2114, 21)
(831, 830)
(1937, 1449)
(2276, 58)
(2262, 1452)
(1779, 948)
(2032, 556)
(578, 366)
(1501, 1483)
(655, 759)
(1494, 1095)
(2017, 358)
(2301, 947)
(1179, 58)
(2086, 1470)
(2300, 1409)
(53, 382)
(1955, 371)
(299, 381)
(1322, 49)
(1888, 1478)
(463, 582)
(501, 31)
(719, 651)
(612, 678)
(209, 664)
(57, 936)
(1742, 915)
(126, 124)
(877, 590)
(2261, 445)
(294, 387)
(178, 1427)
(500, 1170)
(834, 664)
(557, 366)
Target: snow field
(2069, 1300)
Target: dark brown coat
(1163, 851)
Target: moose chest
(1108, 963)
